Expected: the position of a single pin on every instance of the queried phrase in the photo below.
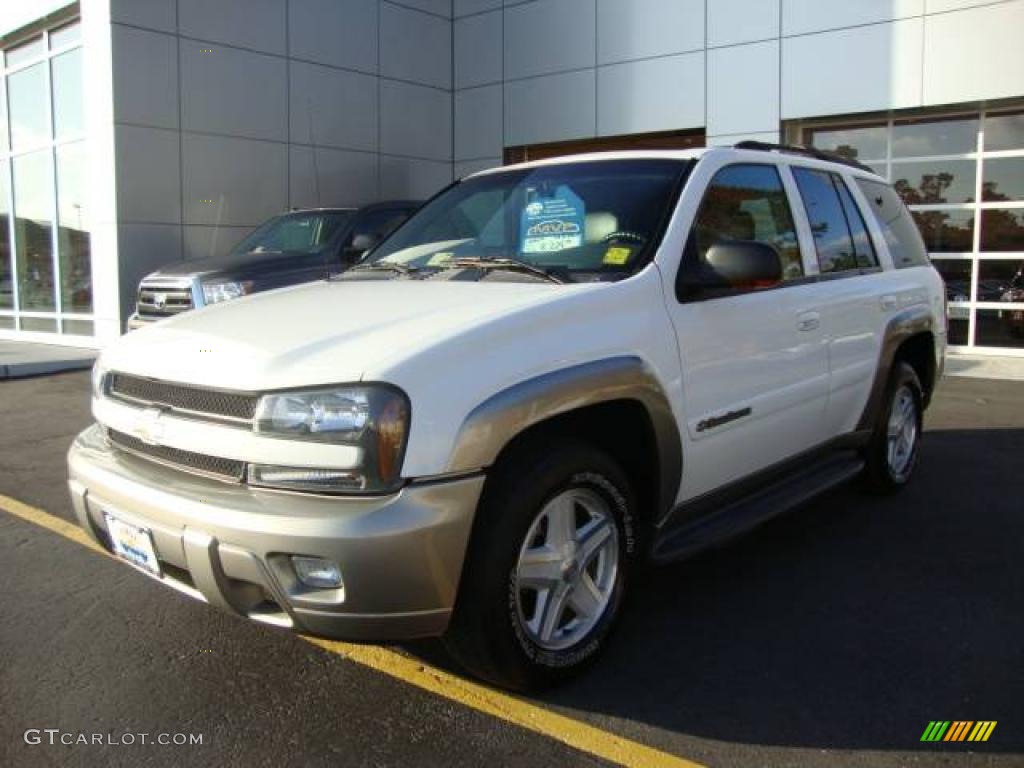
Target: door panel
(852, 287)
(755, 367)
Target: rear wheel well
(919, 353)
(620, 428)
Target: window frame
(687, 254)
(835, 177)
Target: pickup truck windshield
(594, 220)
(299, 233)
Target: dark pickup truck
(295, 247)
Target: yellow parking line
(573, 733)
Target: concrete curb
(42, 367)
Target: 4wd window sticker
(552, 221)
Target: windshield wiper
(384, 266)
(510, 265)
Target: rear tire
(547, 566)
(893, 449)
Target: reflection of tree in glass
(938, 232)
(847, 150)
(930, 191)
(1001, 230)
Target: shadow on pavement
(848, 624)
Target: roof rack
(797, 149)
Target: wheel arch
(616, 403)
(909, 337)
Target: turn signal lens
(303, 479)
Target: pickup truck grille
(224, 469)
(164, 297)
(145, 393)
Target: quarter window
(840, 237)
(748, 202)
(900, 232)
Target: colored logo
(958, 730)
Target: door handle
(808, 321)
(889, 302)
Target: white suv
(550, 372)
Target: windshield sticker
(617, 255)
(552, 221)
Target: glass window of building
(962, 176)
(45, 250)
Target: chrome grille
(225, 469)
(164, 297)
(181, 397)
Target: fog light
(316, 572)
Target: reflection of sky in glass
(828, 224)
(1004, 132)
(71, 172)
(69, 34)
(22, 53)
(869, 142)
(26, 94)
(33, 187)
(942, 137)
(67, 94)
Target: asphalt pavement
(831, 635)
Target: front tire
(546, 571)
(893, 450)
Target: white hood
(319, 333)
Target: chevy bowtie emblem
(150, 428)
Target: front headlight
(225, 291)
(374, 418)
(99, 379)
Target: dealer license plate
(133, 544)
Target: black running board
(737, 516)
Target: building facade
(140, 132)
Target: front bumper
(400, 555)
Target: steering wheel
(629, 237)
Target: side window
(828, 219)
(898, 228)
(748, 202)
(858, 229)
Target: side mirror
(364, 241)
(361, 243)
(742, 265)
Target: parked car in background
(292, 248)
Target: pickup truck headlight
(99, 379)
(225, 291)
(374, 418)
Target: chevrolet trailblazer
(551, 372)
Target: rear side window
(898, 228)
(748, 202)
(840, 237)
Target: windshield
(300, 233)
(596, 220)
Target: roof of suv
(750, 152)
